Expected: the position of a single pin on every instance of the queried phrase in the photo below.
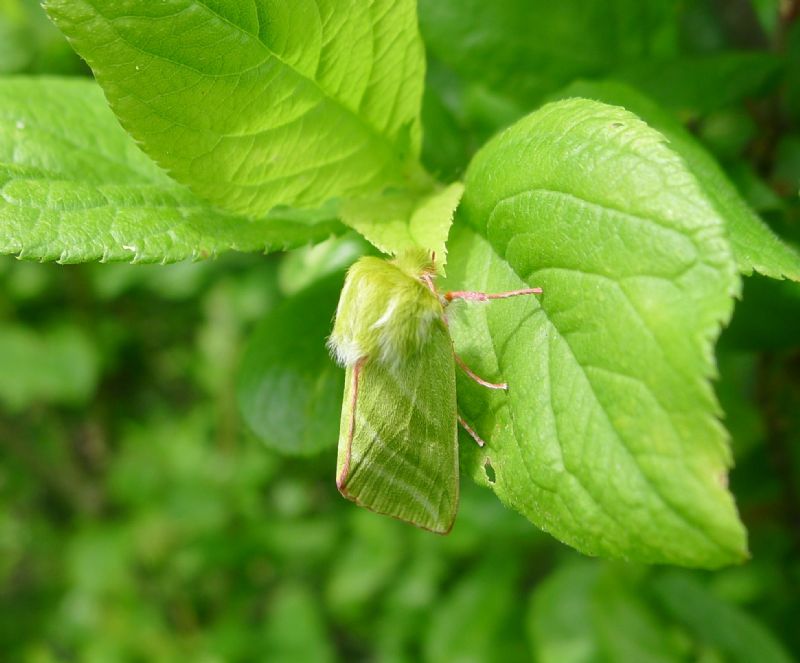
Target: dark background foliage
(139, 520)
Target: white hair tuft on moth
(424, 328)
(386, 318)
(390, 351)
(346, 352)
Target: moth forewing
(398, 452)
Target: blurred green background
(140, 521)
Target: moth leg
(474, 296)
(474, 376)
(471, 431)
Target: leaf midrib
(370, 129)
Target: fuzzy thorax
(386, 310)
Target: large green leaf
(257, 104)
(289, 389)
(525, 49)
(528, 49)
(754, 244)
(608, 435)
(74, 187)
(704, 84)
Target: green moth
(398, 439)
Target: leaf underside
(265, 103)
(402, 460)
(74, 188)
(608, 435)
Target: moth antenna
(471, 432)
(477, 378)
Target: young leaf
(74, 188)
(288, 387)
(264, 103)
(754, 244)
(608, 435)
(400, 220)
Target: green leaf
(627, 627)
(588, 612)
(365, 565)
(446, 145)
(755, 246)
(289, 390)
(265, 103)
(304, 266)
(791, 100)
(608, 435)
(767, 318)
(75, 188)
(30, 43)
(15, 53)
(529, 49)
(740, 637)
(295, 628)
(55, 366)
(397, 221)
(468, 622)
(701, 85)
(560, 616)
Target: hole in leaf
(490, 474)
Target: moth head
(386, 310)
(417, 263)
